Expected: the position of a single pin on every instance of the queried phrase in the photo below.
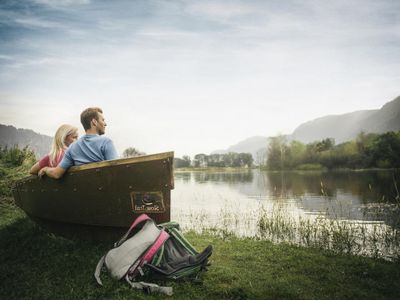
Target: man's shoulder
(101, 139)
(91, 138)
(74, 145)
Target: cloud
(62, 3)
(37, 22)
(221, 10)
(6, 57)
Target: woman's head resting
(65, 136)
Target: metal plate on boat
(147, 202)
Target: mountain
(252, 144)
(342, 128)
(10, 136)
(256, 145)
(346, 127)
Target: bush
(14, 164)
(3, 172)
(15, 157)
(310, 167)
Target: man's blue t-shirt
(87, 149)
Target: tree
(187, 160)
(200, 160)
(181, 163)
(132, 152)
(277, 150)
(261, 157)
(386, 150)
(231, 159)
(246, 160)
(326, 144)
(365, 143)
(297, 152)
(216, 160)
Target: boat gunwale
(110, 163)
(122, 161)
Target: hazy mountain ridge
(255, 145)
(342, 128)
(10, 136)
(243, 146)
(389, 116)
(346, 127)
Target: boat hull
(100, 200)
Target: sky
(194, 76)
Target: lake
(236, 201)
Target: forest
(368, 150)
(230, 159)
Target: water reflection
(367, 195)
(216, 177)
(351, 195)
(367, 186)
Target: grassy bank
(37, 265)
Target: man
(91, 147)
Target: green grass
(38, 265)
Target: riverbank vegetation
(366, 151)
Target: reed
(274, 223)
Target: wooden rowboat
(100, 200)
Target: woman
(65, 136)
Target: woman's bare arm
(55, 173)
(35, 169)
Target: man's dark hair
(88, 115)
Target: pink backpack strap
(138, 220)
(148, 256)
(155, 247)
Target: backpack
(153, 252)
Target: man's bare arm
(55, 173)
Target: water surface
(358, 196)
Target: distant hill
(252, 144)
(10, 136)
(255, 145)
(342, 128)
(346, 127)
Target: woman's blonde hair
(58, 145)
